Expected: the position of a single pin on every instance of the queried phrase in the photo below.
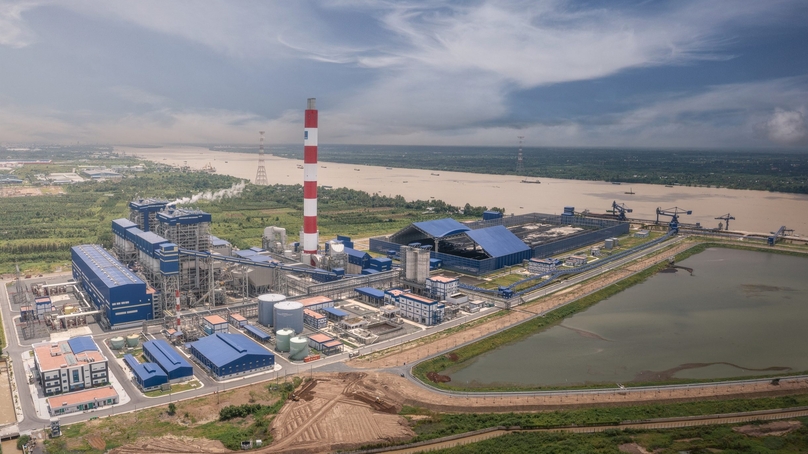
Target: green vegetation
(22, 441)
(37, 232)
(694, 440)
(127, 428)
(768, 171)
(430, 425)
(175, 388)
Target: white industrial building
(70, 365)
(439, 287)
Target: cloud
(787, 127)
(137, 95)
(13, 30)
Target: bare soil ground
(422, 348)
(7, 415)
(776, 428)
(339, 411)
(173, 445)
(23, 191)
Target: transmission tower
(261, 175)
(520, 165)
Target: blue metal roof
(336, 312)
(168, 359)
(260, 258)
(82, 344)
(174, 216)
(354, 253)
(440, 228)
(216, 241)
(497, 241)
(222, 349)
(257, 249)
(112, 272)
(147, 374)
(257, 332)
(245, 253)
(370, 291)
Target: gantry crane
(620, 211)
(726, 219)
(674, 215)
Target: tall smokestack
(178, 309)
(310, 238)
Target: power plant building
(122, 297)
(214, 324)
(440, 287)
(231, 355)
(173, 364)
(70, 365)
(417, 308)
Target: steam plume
(233, 191)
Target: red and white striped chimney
(310, 237)
(178, 309)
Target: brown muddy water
(742, 313)
(755, 211)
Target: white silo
(298, 348)
(266, 304)
(288, 314)
(282, 339)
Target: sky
(647, 74)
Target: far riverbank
(755, 211)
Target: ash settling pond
(741, 314)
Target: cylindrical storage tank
(282, 339)
(266, 304)
(298, 348)
(132, 340)
(117, 343)
(288, 314)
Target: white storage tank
(282, 339)
(288, 314)
(117, 342)
(298, 348)
(266, 305)
(132, 340)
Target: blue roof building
(175, 366)
(228, 355)
(121, 296)
(147, 375)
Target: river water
(742, 313)
(755, 211)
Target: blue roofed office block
(172, 363)
(228, 355)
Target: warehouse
(481, 247)
(335, 315)
(82, 400)
(257, 334)
(148, 376)
(316, 303)
(175, 366)
(230, 355)
(325, 344)
(371, 295)
(70, 365)
(122, 297)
